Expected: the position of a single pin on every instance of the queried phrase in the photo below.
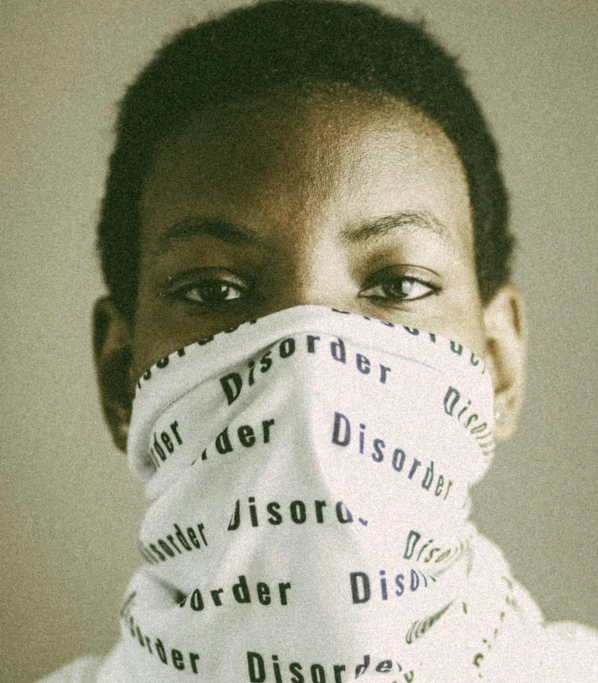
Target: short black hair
(250, 53)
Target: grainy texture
(69, 508)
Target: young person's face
(344, 201)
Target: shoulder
(543, 650)
(571, 652)
(80, 671)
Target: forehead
(338, 154)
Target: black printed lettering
(383, 666)
(295, 668)
(266, 424)
(262, 668)
(170, 537)
(157, 552)
(177, 659)
(196, 601)
(282, 589)
(363, 364)
(263, 593)
(384, 370)
(311, 343)
(360, 587)
(428, 477)
(338, 672)
(418, 628)
(457, 406)
(200, 528)
(246, 436)
(286, 347)
(255, 667)
(241, 593)
(338, 351)
(296, 512)
(167, 442)
(169, 657)
(231, 439)
(251, 379)
(378, 452)
(416, 464)
(318, 674)
(165, 547)
(320, 505)
(234, 383)
(231, 385)
(193, 537)
(187, 540)
(163, 445)
(343, 514)
(265, 362)
(428, 551)
(341, 432)
(363, 588)
(275, 517)
(276, 667)
(456, 348)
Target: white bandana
(308, 476)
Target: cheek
(471, 329)
(467, 314)
(153, 336)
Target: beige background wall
(68, 507)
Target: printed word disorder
(343, 434)
(234, 383)
(289, 347)
(264, 669)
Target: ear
(506, 345)
(112, 353)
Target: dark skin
(343, 199)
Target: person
(310, 189)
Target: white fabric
(82, 670)
(308, 479)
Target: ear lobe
(506, 346)
(113, 354)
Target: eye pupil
(214, 291)
(220, 292)
(394, 290)
(398, 288)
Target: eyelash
(380, 280)
(391, 281)
(181, 293)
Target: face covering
(308, 478)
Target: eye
(207, 291)
(211, 292)
(391, 288)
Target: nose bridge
(315, 270)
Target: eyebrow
(243, 236)
(408, 220)
(221, 230)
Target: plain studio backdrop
(70, 510)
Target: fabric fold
(308, 480)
